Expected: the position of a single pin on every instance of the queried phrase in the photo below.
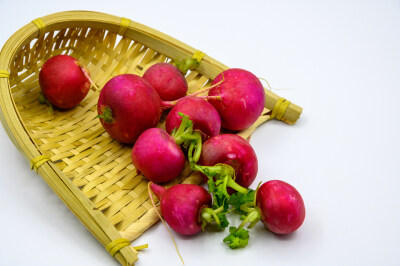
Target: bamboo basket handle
(289, 113)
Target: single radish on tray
(157, 156)
(127, 106)
(242, 98)
(167, 80)
(205, 118)
(183, 206)
(232, 150)
(64, 82)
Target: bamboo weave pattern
(75, 139)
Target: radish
(167, 80)
(64, 82)
(281, 205)
(205, 118)
(242, 97)
(127, 106)
(232, 150)
(276, 203)
(182, 206)
(157, 156)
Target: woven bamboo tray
(89, 171)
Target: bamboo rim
(72, 196)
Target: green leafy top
(239, 200)
(237, 238)
(107, 115)
(186, 127)
(188, 138)
(220, 204)
(186, 64)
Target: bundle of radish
(64, 82)
(91, 152)
(229, 163)
(130, 107)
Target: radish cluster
(130, 107)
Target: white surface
(340, 61)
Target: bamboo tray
(89, 171)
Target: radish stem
(107, 115)
(209, 215)
(43, 100)
(222, 172)
(189, 138)
(187, 64)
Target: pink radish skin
(63, 81)
(131, 105)
(157, 156)
(203, 115)
(181, 206)
(167, 80)
(281, 205)
(232, 150)
(242, 95)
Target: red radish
(182, 205)
(242, 98)
(157, 156)
(232, 150)
(281, 205)
(203, 115)
(127, 106)
(276, 203)
(167, 80)
(64, 81)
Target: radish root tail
(173, 240)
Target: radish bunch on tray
(130, 107)
(227, 162)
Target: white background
(339, 60)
